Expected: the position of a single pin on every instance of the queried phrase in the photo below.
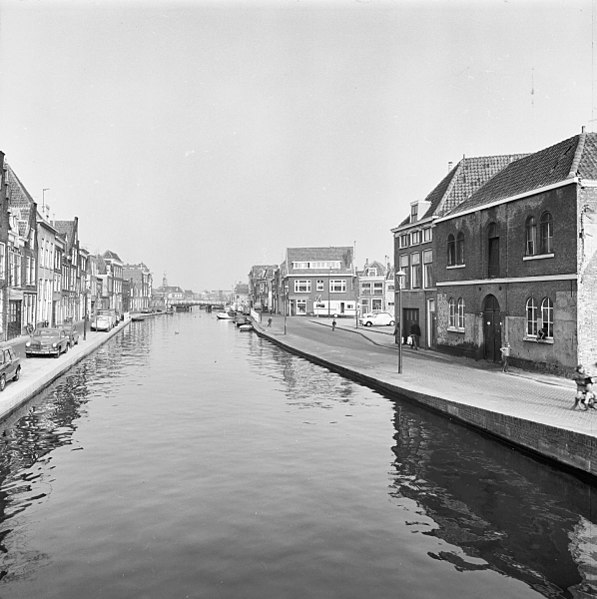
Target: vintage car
(377, 319)
(10, 366)
(72, 332)
(47, 342)
(104, 320)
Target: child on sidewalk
(505, 355)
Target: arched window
(531, 317)
(460, 313)
(460, 248)
(451, 250)
(547, 318)
(451, 312)
(531, 236)
(546, 233)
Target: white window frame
(337, 285)
(302, 285)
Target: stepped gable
(572, 157)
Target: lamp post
(398, 317)
(285, 305)
(86, 317)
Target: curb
(15, 395)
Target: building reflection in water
(498, 508)
(49, 421)
(304, 383)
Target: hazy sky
(204, 137)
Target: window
(337, 285)
(531, 310)
(427, 235)
(493, 251)
(547, 317)
(320, 285)
(371, 272)
(428, 268)
(460, 313)
(404, 268)
(546, 233)
(451, 313)
(2, 261)
(302, 286)
(378, 288)
(451, 250)
(460, 248)
(415, 271)
(530, 236)
(414, 211)
(403, 241)
(415, 238)
(301, 306)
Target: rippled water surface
(188, 459)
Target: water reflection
(306, 385)
(49, 421)
(503, 510)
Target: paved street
(536, 397)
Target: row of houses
(47, 276)
(322, 281)
(501, 250)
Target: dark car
(10, 366)
(47, 342)
(73, 334)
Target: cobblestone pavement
(531, 396)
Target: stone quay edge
(529, 411)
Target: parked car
(377, 319)
(50, 341)
(73, 334)
(104, 320)
(10, 366)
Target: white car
(377, 319)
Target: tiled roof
(20, 201)
(342, 253)
(464, 179)
(576, 156)
(110, 255)
(66, 228)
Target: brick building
(319, 281)
(517, 262)
(413, 239)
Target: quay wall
(569, 449)
(16, 394)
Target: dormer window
(414, 212)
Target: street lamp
(398, 316)
(86, 317)
(285, 305)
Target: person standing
(505, 355)
(334, 324)
(415, 333)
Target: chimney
(450, 165)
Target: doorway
(492, 329)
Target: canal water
(187, 459)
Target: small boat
(138, 317)
(247, 326)
(224, 316)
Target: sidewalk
(528, 409)
(38, 373)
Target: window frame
(451, 250)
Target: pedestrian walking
(505, 355)
(269, 322)
(415, 333)
(334, 324)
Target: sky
(202, 138)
